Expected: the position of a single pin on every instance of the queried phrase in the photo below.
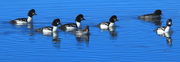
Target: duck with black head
(73, 26)
(154, 18)
(165, 29)
(156, 15)
(107, 25)
(23, 21)
(49, 29)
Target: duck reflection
(55, 37)
(112, 31)
(56, 40)
(27, 28)
(167, 36)
(83, 39)
(31, 29)
(156, 21)
(82, 35)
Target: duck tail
(39, 30)
(12, 22)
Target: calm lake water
(133, 40)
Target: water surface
(133, 40)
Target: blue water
(134, 39)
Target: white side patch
(160, 31)
(55, 28)
(47, 32)
(18, 22)
(103, 26)
(70, 28)
(78, 24)
(29, 19)
(111, 24)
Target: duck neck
(55, 35)
(55, 28)
(29, 19)
(167, 28)
(78, 24)
(111, 24)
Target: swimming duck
(23, 21)
(165, 29)
(73, 26)
(107, 25)
(49, 29)
(157, 15)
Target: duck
(165, 29)
(49, 29)
(23, 21)
(155, 15)
(107, 25)
(73, 26)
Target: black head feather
(56, 22)
(169, 22)
(32, 12)
(80, 17)
(158, 12)
(113, 19)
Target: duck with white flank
(49, 29)
(73, 26)
(23, 21)
(166, 32)
(165, 29)
(110, 24)
(157, 15)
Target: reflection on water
(82, 35)
(168, 37)
(83, 39)
(56, 40)
(156, 21)
(169, 41)
(55, 36)
(31, 29)
(112, 31)
(101, 46)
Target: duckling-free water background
(133, 40)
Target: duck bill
(83, 19)
(117, 20)
(35, 14)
